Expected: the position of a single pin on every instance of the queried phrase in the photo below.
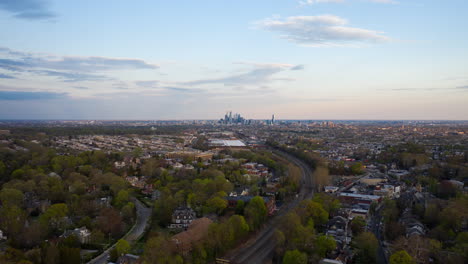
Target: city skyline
(180, 60)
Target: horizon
(260, 119)
(185, 60)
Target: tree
(12, 219)
(2, 169)
(151, 168)
(122, 246)
(137, 152)
(366, 244)
(97, 237)
(256, 212)
(393, 230)
(321, 177)
(401, 257)
(324, 244)
(357, 168)
(110, 222)
(310, 209)
(216, 205)
(357, 225)
(52, 255)
(121, 199)
(128, 212)
(294, 234)
(328, 202)
(54, 217)
(70, 255)
(10, 197)
(390, 211)
(239, 227)
(159, 250)
(294, 257)
(240, 207)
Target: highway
(143, 217)
(260, 249)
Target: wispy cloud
(311, 2)
(6, 76)
(458, 88)
(260, 74)
(147, 84)
(73, 76)
(25, 96)
(28, 9)
(182, 89)
(322, 30)
(69, 68)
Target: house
(104, 201)
(128, 259)
(33, 203)
(412, 225)
(182, 217)
(356, 212)
(355, 198)
(2, 237)
(83, 234)
(330, 261)
(177, 166)
(119, 165)
(331, 189)
(337, 227)
(196, 231)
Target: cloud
(25, 96)
(28, 9)
(147, 84)
(182, 89)
(81, 87)
(383, 1)
(6, 76)
(73, 76)
(88, 63)
(260, 74)
(68, 68)
(322, 30)
(74, 63)
(298, 68)
(311, 2)
(12, 65)
(462, 88)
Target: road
(376, 228)
(260, 249)
(143, 217)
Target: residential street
(143, 217)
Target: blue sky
(299, 59)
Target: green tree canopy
(10, 197)
(256, 212)
(122, 246)
(324, 244)
(366, 244)
(294, 257)
(401, 257)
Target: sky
(187, 59)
